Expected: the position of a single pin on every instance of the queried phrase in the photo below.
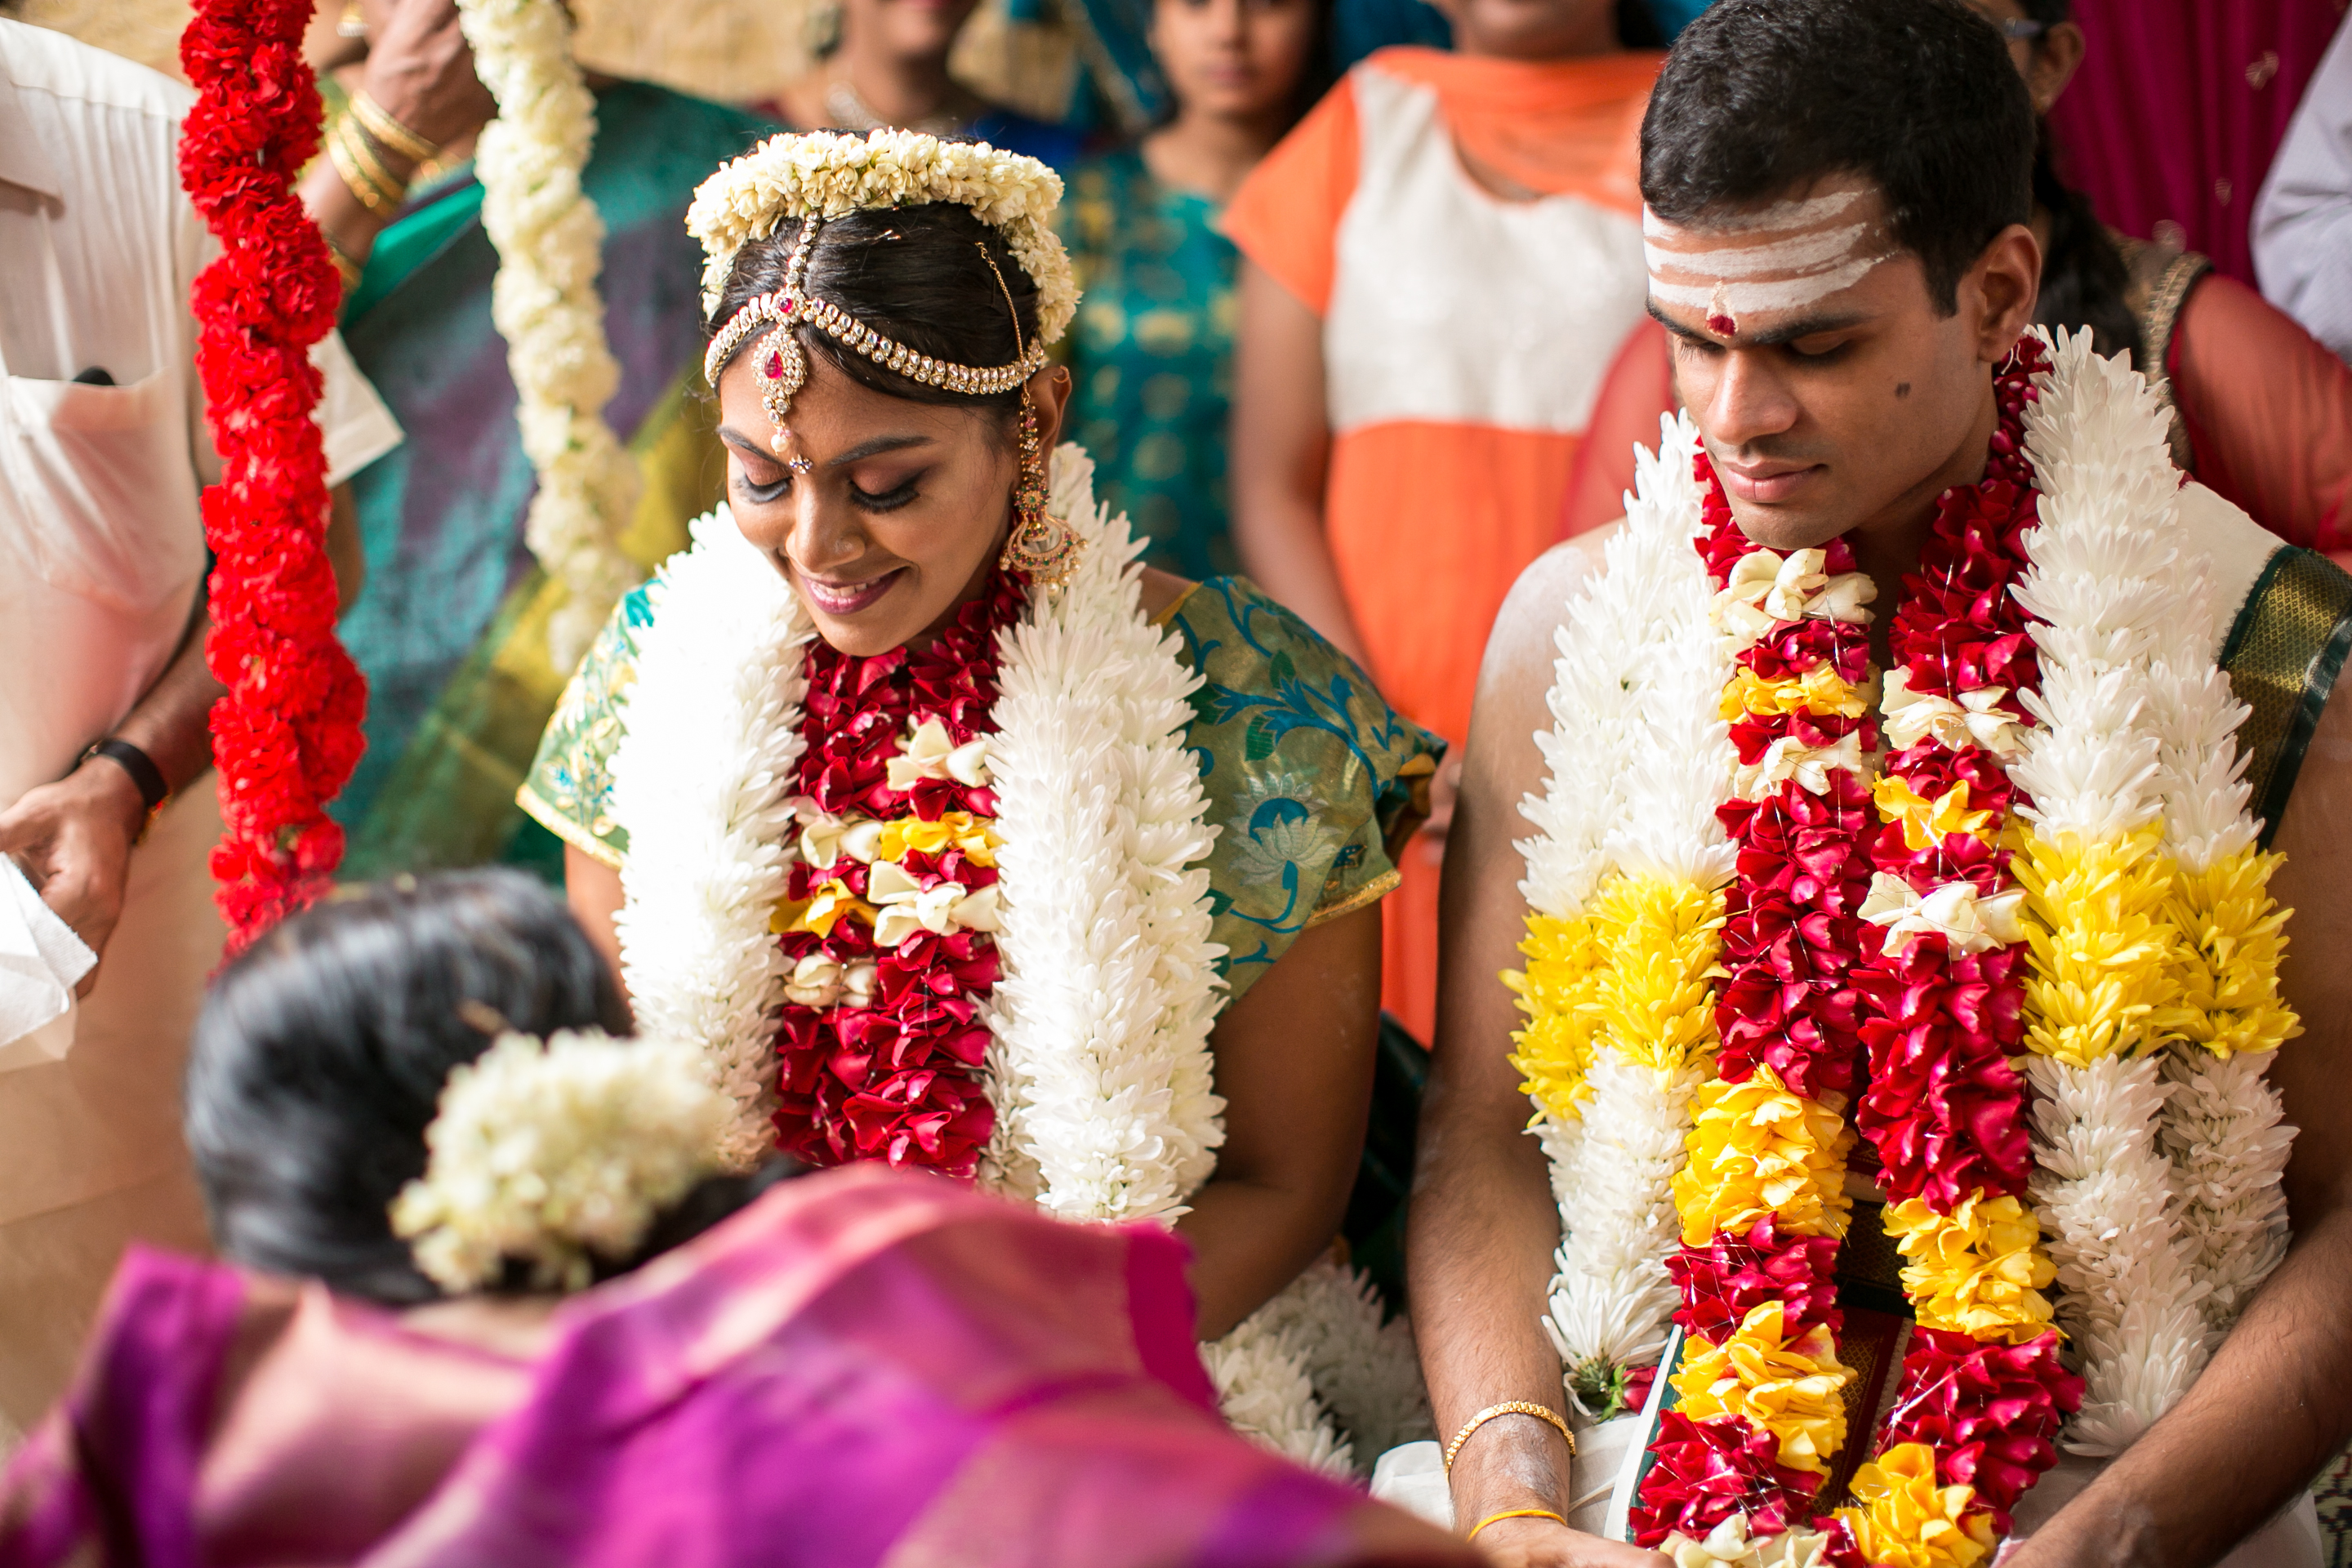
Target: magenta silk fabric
(2179, 107)
(865, 1367)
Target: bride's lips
(837, 598)
(1766, 483)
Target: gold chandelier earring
(1042, 547)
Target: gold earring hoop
(1042, 548)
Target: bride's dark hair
(915, 274)
(319, 1058)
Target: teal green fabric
(1152, 356)
(1311, 778)
(441, 519)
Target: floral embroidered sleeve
(1315, 782)
(570, 789)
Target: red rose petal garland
(287, 736)
(883, 1042)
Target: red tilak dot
(1722, 326)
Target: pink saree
(861, 1368)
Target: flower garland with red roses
(1810, 989)
(286, 735)
(883, 1039)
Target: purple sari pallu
(862, 1368)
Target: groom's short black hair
(1760, 97)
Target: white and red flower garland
(1939, 935)
(286, 735)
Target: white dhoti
(91, 1155)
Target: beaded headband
(783, 367)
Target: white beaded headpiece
(823, 174)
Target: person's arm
(421, 71)
(74, 836)
(2269, 412)
(2276, 1402)
(593, 890)
(1483, 1223)
(2303, 217)
(1293, 1061)
(1281, 449)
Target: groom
(1837, 200)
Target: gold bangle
(1515, 1514)
(345, 267)
(371, 158)
(357, 180)
(1509, 1407)
(378, 122)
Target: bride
(960, 840)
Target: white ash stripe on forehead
(1797, 254)
(1811, 213)
(1738, 300)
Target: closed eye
(891, 499)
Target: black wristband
(139, 765)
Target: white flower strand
(1639, 762)
(1109, 983)
(549, 240)
(2100, 578)
(702, 780)
(556, 1153)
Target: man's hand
(73, 838)
(1541, 1543)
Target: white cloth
(2303, 219)
(1450, 305)
(101, 543)
(41, 962)
(1412, 1476)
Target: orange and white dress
(1464, 340)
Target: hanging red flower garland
(288, 734)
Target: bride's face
(883, 513)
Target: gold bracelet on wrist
(347, 268)
(374, 186)
(1513, 1513)
(1509, 1407)
(378, 122)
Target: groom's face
(1829, 389)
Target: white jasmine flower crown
(550, 1152)
(827, 175)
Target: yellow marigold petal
(1901, 1519)
(2233, 936)
(1755, 1150)
(1556, 992)
(1654, 997)
(2104, 952)
(1794, 1391)
(1979, 1270)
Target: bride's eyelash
(889, 501)
(760, 495)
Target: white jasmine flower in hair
(553, 1154)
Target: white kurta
(101, 555)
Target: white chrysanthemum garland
(829, 175)
(558, 1152)
(1638, 762)
(550, 241)
(1099, 1068)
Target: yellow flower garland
(1757, 1150)
(1794, 1390)
(1901, 1519)
(1979, 1270)
(2233, 936)
(1653, 996)
(2104, 959)
(1556, 990)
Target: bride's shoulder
(1163, 591)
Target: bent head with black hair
(1838, 194)
(319, 1056)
